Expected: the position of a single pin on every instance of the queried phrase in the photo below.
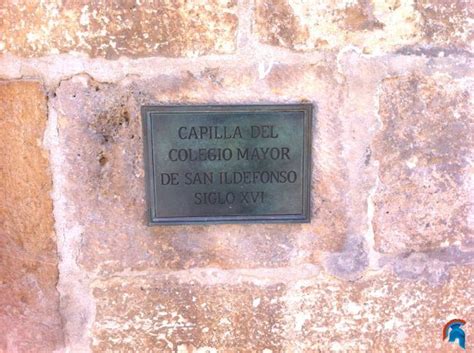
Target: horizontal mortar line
(262, 275)
(250, 51)
(144, 65)
(258, 52)
(51, 81)
(257, 56)
(215, 275)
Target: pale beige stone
(373, 26)
(379, 313)
(423, 198)
(114, 29)
(164, 315)
(386, 260)
(101, 137)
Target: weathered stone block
(29, 304)
(168, 316)
(373, 26)
(125, 28)
(377, 313)
(423, 198)
(311, 315)
(101, 138)
(447, 23)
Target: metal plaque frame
(150, 112)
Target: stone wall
(388, 257)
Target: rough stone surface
(376, 314)
(424, 148)
(111, 30)
(167, 316)
(447, 22)
(373, 26)
(100, 136)
(29, 302)
(388, 256)
(316, 314)
(279, 288)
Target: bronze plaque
(227, 164)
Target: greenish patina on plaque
(227, 164)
